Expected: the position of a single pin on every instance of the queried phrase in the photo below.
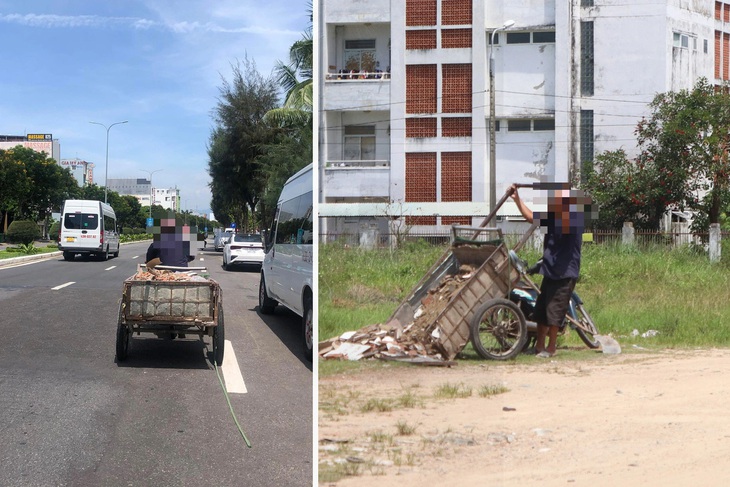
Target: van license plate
(70, 239)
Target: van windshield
(81, 221)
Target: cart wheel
(123, 338)
(498, 330)
(219, 338)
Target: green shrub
(22, 232)
(53, 232)
(127, 231)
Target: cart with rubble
(466, 296)
(170, 302)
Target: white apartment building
(404, 96)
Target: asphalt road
(71, 416)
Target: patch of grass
(405, 429)
(381, 437)
(492, 390)
(453, 391)
(408, 400)
(376, 405)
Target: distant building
(38, 142)
(82, 171)
(169, 198)
(140, 188)
(405, 95)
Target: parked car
(243, 249)
(221, 239)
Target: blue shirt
(561, 253)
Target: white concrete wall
(356, 11)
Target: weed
(453, 391)
(376, 405)
(492, 390)
(381, 437)
(405, 429)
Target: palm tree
(296, 80)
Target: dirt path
(632, 419)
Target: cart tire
(219, 338)
(308, 327)
(266, 304)
(123, 338)
(584, 319)
(498, 330)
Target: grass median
(652, 297)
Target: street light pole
(492, 122)
(106, 168)
(151, 188)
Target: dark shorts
(553, 301)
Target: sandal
(544, 354)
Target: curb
(29, 258)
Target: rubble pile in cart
(413, 342)
(165, 275)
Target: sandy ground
(639, 418)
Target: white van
(286, 273)
(88, 227)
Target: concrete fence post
(715, 241)
(627, 233)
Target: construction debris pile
(414, 342)
(166, 275)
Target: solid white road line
(110, 268)
(231, 372)
(63, 285)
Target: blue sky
(157, 63)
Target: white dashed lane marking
(110, 268)
(63, 285)
(231, 371)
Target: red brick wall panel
(421, 127)
(421, 39)
(455, 38)
(456, 12)
(421, 88)
(456, 127)
(421, 183)
(420, 12)
(456, 88)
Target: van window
(295, 221)
(81, 221)
(109, 224)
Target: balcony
(357, 92)
(359, 179)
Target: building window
(359, 143)
(586, 3)
(705, 47)
(360, 55)
(496, 39)
(543, 37)
(518, 37)
(586, 143)
(518, 125)
(586, 58)
(543, 125)
(681, 40)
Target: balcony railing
(355, 164)
(343, 75)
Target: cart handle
(536, 186)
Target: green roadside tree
(683, 162)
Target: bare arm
(526, 212)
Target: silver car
(221, 239)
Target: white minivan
(286, 273)
(88, 227)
